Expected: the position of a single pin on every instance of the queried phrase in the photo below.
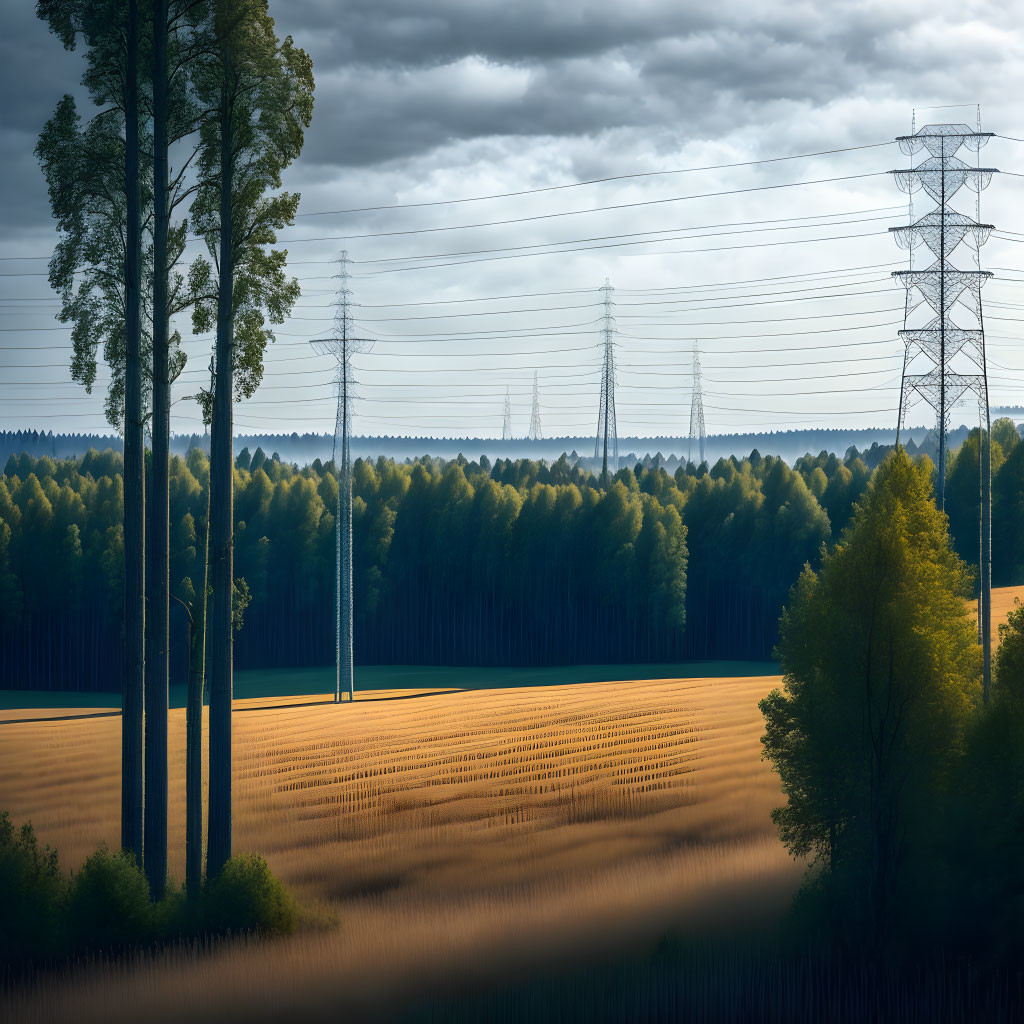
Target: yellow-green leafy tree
(880, 669)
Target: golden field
(441, 839)
(451, 836)
(1003, 600)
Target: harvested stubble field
(1003, 601)
(455, 837)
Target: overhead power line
(592, 181)
(636, 204)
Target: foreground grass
(456, 837)
(736, 980)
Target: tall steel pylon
(343, 345)
(506, 426)
(697, 428)
(948, 358)
(607, 433)
(535, 431)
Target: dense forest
(456, 562)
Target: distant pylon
(535, 431)
(697, 428)
(342, 346)
(948, 357)
(506, 427)
(607, 438)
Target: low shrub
(245, 896)
(32, 890)
(108, 906)
(104, 908)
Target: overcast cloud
(473, 98)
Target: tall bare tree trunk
(158, 583)
(221, 523)
(132, 695)
(194, 734)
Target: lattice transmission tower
(535, 432)
(607, 439)
(944, 329)
(506, 426)
(697, 428)
(342, 346)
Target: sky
(446, 155)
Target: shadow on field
(60, 718)
(413, 696)
(359, 700)
(237, 710)
(281, 707)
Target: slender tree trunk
(158, 583)
(132, 695)
(194, 735)
(221, 514)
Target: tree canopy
(455, 562)
(881, 668)
(258, 92)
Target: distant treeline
(57, 446)
(456, 562)
(304, 448)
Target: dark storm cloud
(393, 79)
(397, 80)
(367, 119)
(400, 82)
(409, 33)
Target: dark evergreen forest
(456, 562)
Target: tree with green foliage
(10, 592)
(752, 524)
(845, 480)
(259, 93)
(969, 479)
(142, 62)
(1007, 508)
(880, 670)
(174, 28)
(530, 587)
(49, 919)
(963, 491)
(987, 839)
(98, 198)
(33, 888)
